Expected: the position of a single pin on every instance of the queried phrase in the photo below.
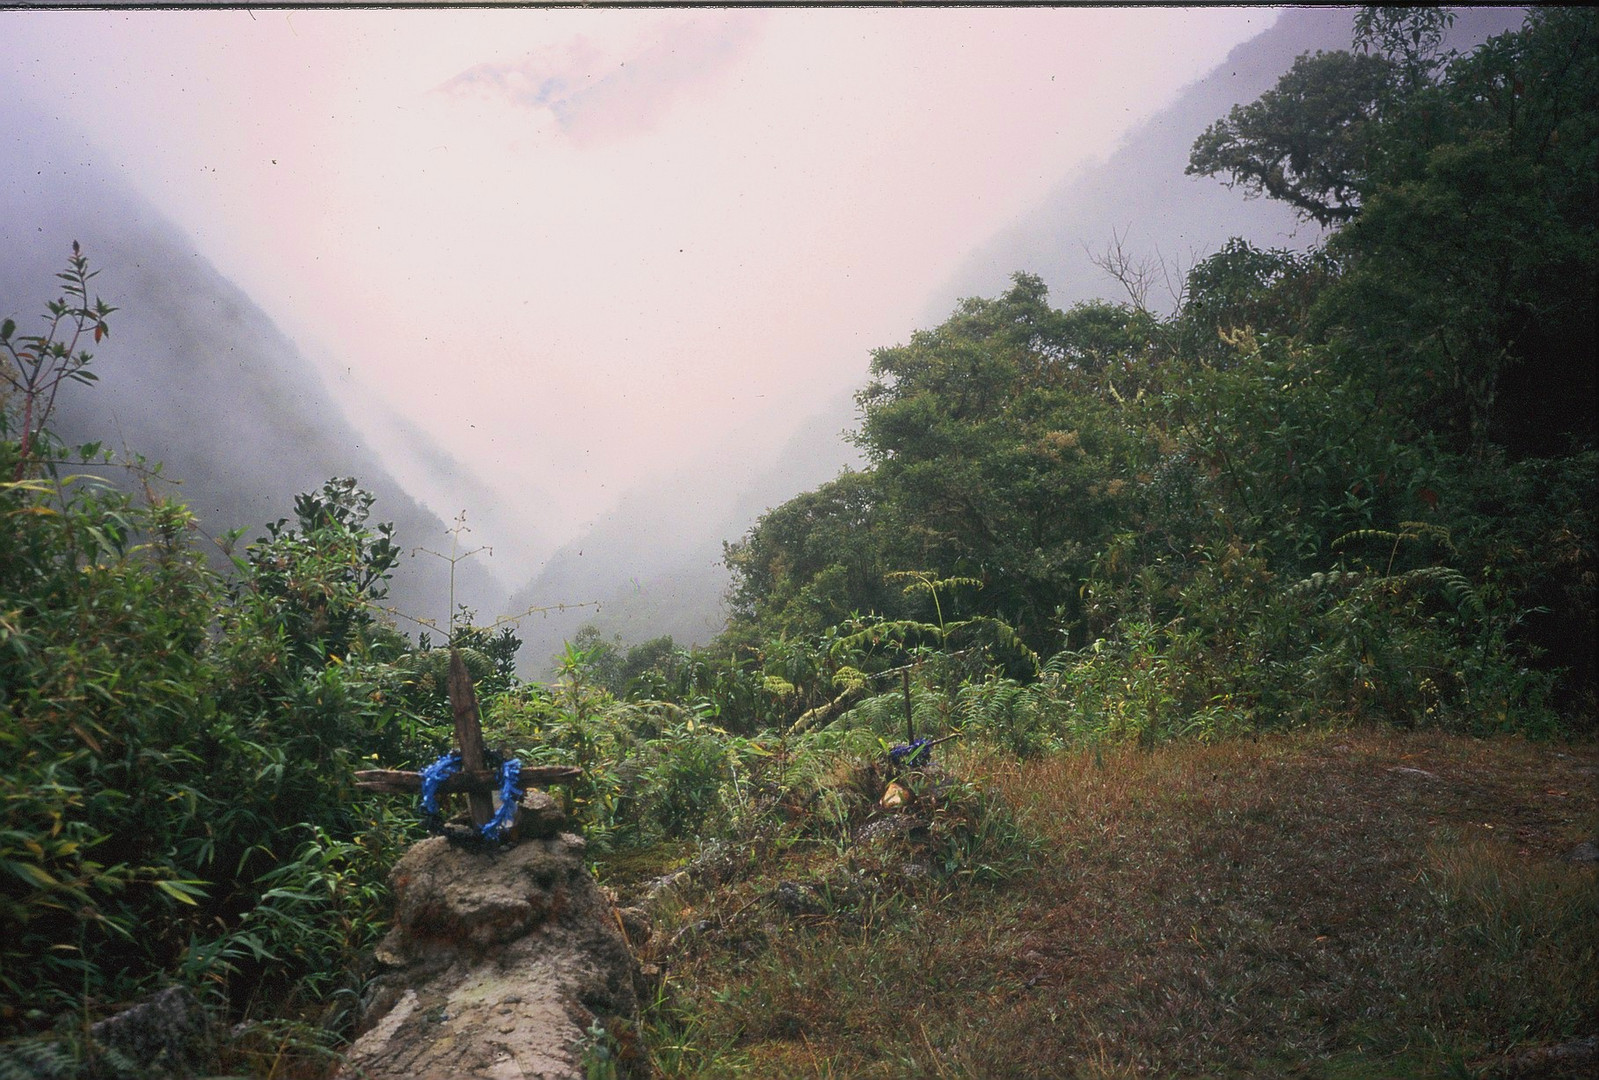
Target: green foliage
(812, 561)
(1243, 469)
(101, 667)
(997, 456)
(172, 737)
(1467, 196)
(1357, 484)
(598, 1053)
(1240, 288)
(34, 367)
(158, 769)
(417, 686)
(1412, 37)
(1352, 483)
(623, 670)
(1308, 141)
(996, 438)
(325, 905)
(313, 586)
(652, 770)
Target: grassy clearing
(1331, 906)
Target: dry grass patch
(1320, 905)
(1268, 906)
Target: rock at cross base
(499, 961)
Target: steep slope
(194, 374)
(1141, 195)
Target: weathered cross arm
(479, 781)
(474, 777)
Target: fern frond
(1004, 635)
(1368, 534)
(1059, 665)
(923, 579)
(1408, 530)
(36, 1059)
(849, 678)
(1319, 582)
(1414, 530)
(895, 631)
(1456, 585)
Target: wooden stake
(910, 726)
(469, 736)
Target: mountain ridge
(194, 374)
(654, 560)
(1140, 193)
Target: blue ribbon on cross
(433, 778)
(919, 752)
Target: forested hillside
(1351, 478)
(654, 561)
(1130, 710)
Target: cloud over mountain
(596, 92)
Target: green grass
(1322, 906)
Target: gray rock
(541, 816)
(169, 1034)
(714, 865)
(885, 828)
(1585, 852)
(498, 962)
(655, 888)
(636, 924)
(797, 899)
(1579, 1057)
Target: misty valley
(1145, 668)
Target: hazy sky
(580, 246)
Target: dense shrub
(177, 796)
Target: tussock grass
(1329, 905)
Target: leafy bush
(157, 774)
(105, 794)
(172, 737)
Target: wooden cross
(475, 778)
